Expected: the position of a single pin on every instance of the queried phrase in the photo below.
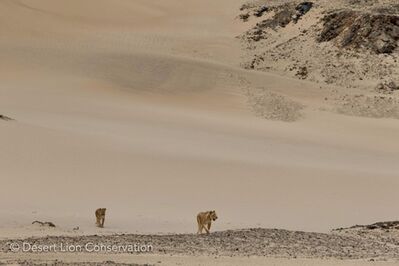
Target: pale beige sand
(141, 107)
(189, 260)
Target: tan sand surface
(188, 260)
(142, 107)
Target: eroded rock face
(378, 33)
(284, 14)
(384, 225)
(302, 9)
(280, 19)
(262, 9)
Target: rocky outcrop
(376, 32)
(379, 225)
(284, 14)
(6, 118)
(355, 46)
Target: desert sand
(143, 107)
(125, 260)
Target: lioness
(204, 220)
(100, 217)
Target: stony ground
(341, 244)
(60, 263)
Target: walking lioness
(204, 220)
(100, 217)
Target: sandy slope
(141, 107)
(121, 111)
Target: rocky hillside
(345, 43)
(373, 31)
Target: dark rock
(256, 35)
(280, 19)
(302, 72)
(304, 7)
(49, 224)
(380, 225)
(6, 118)
(284, 14)
(354, 29)
(244, 17)
(262, 9)
(301, 10)
(387, 87)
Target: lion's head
(101, 211)
(213, 215)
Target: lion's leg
(102, 221)
(97, 221)
(206, 229)
(199, 225)
(199, 231)
(209, 226)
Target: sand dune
(153, 130)
(142, 107)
